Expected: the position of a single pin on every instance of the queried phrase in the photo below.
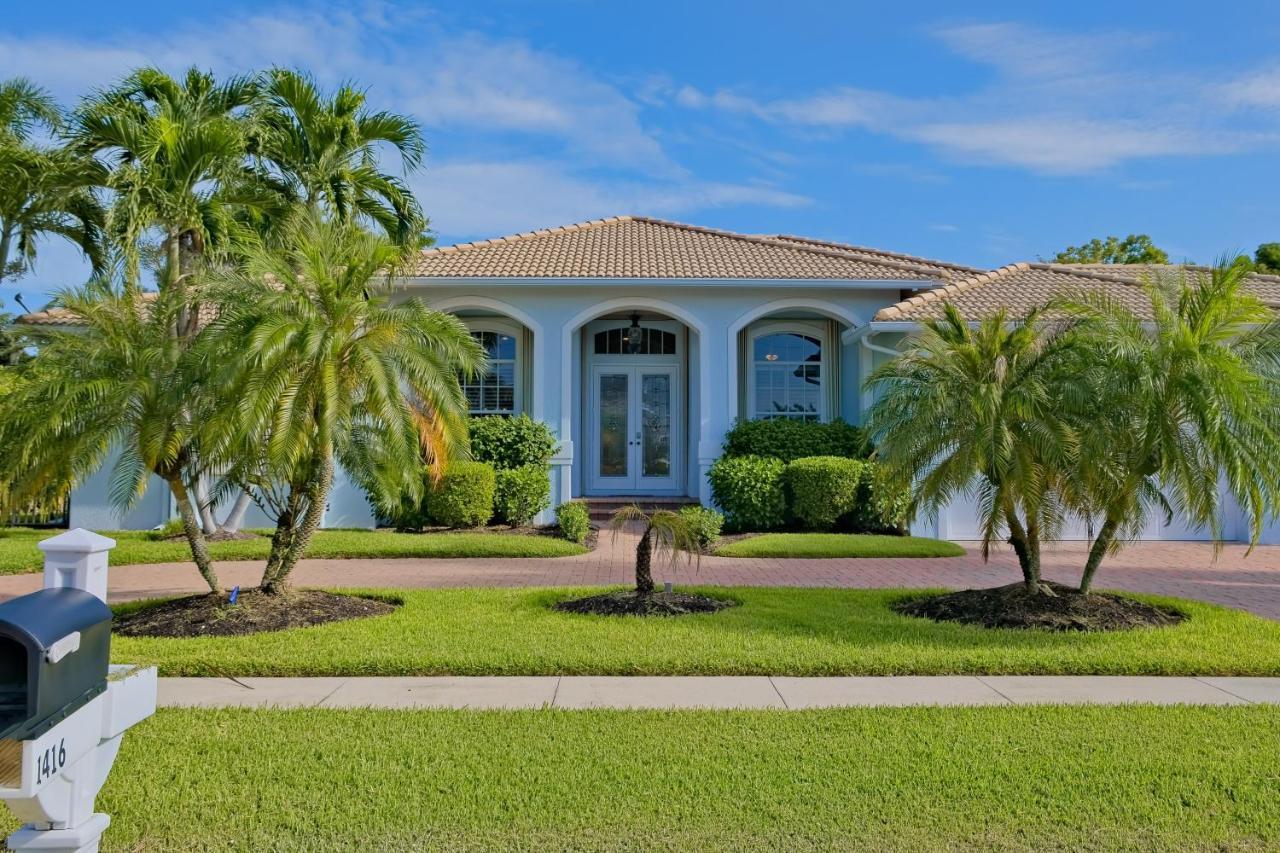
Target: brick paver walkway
(1184, 569)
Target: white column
(77, 559)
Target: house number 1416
(49, 762)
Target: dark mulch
(253, 613)
(632, 603)
(1065, 609)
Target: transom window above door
(652, 342)
(787, 376)
(494, 393)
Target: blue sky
(1003, 132)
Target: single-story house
(640, 341)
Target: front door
(634, 417)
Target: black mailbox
(55, 646)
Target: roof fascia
(832, 283)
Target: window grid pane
(493, 393)
(788, 376)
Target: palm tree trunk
(235, 517)
(644, 560)
(1097, 550)
(195, 538)
(317, 497)
(6, 241)
(208, 523)
(1022, 548)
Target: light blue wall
(91, 507)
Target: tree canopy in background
(1267, 259)
(1134, 249)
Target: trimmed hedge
(464, 495)
(521, 493)
(574, 521)
(789, 439)
(822, 489)
(882, 505)
(511, 442)
(706, 524)
(749, 490)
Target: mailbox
(55, 647)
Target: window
(788, 376)
(494, 393)
(652, 342)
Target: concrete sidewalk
(666, 692)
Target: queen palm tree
(1182, 401)
(977, 411)
(328, 368)
(44, 191)
(120, 380)
(323, 150)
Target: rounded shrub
(511, 442)
(521, 493)
(574, 521)
(789, 439)
(463, 497)
(822, 489)
(705, 523)
(883, 504)
(749, 490)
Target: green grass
(1080, 778)
(824, 545)
(18, 552)
(778, 631)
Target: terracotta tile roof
(1019, 287)
(640, 247)
(946, 268)
(55, 316)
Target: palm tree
(176, 151)
(120, 380)
(1182, 400)
(976, 411)
(323, 151)
(44, 191)
(329, 369)
(665, 533)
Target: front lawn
(824, 545)
(18, 552)
(775, 631)
(1047, 778)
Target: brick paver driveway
(1183, 569)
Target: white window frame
(818, 332)
(516, 333)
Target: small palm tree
(118, 381)
(328, 368)
(1182, 402)
(323, 151)
(966, 410)
(43, 191)
(665, 534)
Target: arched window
(787, 375)
(494, 393)
(652, 342)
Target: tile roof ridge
(951, 288)
(521, 236)
(765, 240)
(871, 250)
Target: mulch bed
(253, 613)
(632, 603)
(1065, 609)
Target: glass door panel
(655, 424)
(615, 445)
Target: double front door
(634, 421)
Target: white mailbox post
(50, 779)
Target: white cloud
(1057, 103)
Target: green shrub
(463, 497)
(882, 505)
(574, 521)
(705, 522)
(521, 493)
(822, 489)
(511, 442)
(749, 490)
(789, 439)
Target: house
(641, 341)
